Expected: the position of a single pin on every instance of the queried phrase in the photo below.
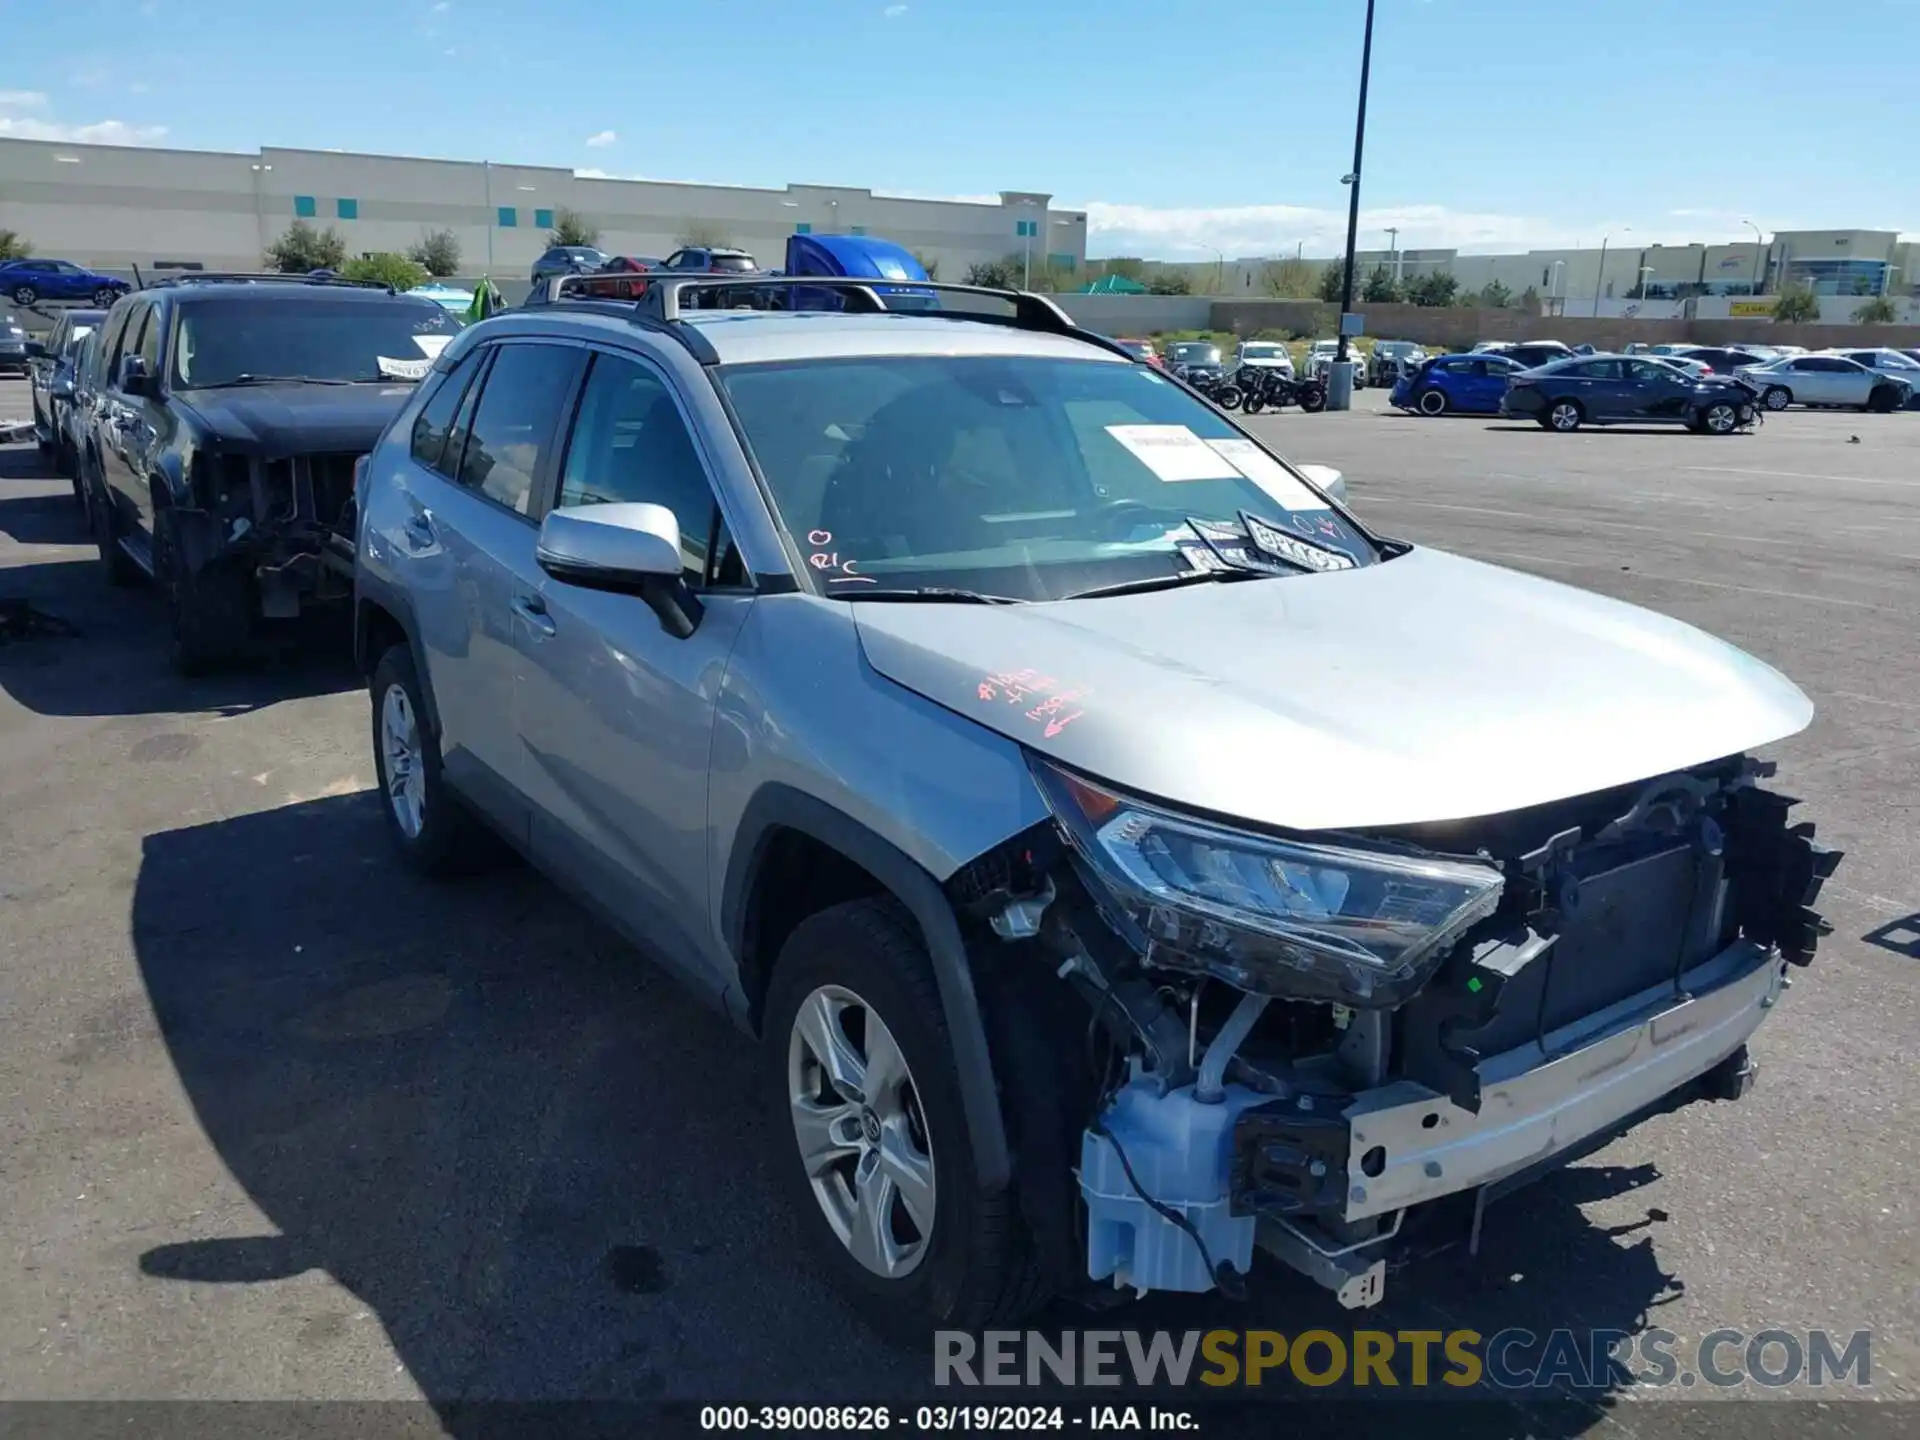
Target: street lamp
(1601, 278)
(1759, 249)
(1219, 269)
(1340, 374)
(259, 214)
(1393, 249)
(1553, 285)
(1645, 270)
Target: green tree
(704, 235)
(1796, 307)
(1380, 288)
(1332, 280)
(302, 248)
(570, 227)
(438, 253)
(386, 269)
(14, 246)
(1877, 311)
(1495, 296)
(1436, 289)
(995, 274)
(1862, 285)
(1287, 279)
(1128, 267)
(932, 267)
(1170, 282)
(1530, 301)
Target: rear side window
(435, 421)
(514, 424)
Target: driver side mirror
(627, 549)
(136, 378)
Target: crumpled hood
(1427, 688)
(276, 420)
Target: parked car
(51, 384)
(1265, 355)
(1890, 365)
(1449, 384)
(76, 415)
(1318, 364)
(28, 282)
(1196, 357)
(229, 420)
(1626, 390)
(13, 344)
(711, 260)
(1824, 380)
(1531, 353)
(1392, 359)
(1722, 360)
(686, 607)
(1685, 364)
(1142, 350)
(567, 260)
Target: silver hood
(1426, 688)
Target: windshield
(1017, 476)
(223, 342)
(1261, 352)
(1192, 353)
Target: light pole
(259, 213)
(1645, 271)
(1601, 278)
(1219, 268)
(1393, 249)
(1340, 373)
(486, 169)
(1759, 249)
(1026, 248)
(1553, 285)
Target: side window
(1645, 370)
(630, 446)
(106, 355)
(153, 337)
(514, 423)
(135, 336)
(435, 420)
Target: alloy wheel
(1565, 416)
(861, 1130)
(1720, 419)
(400, 750)
(1778, 399)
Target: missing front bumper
(1410, 1145)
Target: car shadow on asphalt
(548, 1171)
(53, 518)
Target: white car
(1824, 380)
(1320, 362)
(1266, 355)
(1892, 364)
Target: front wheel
(1228, 398)
(861, 1076)
(1313, 397)
(1432, 402)
(1884, 400)
(1777, 397)
(210, 609)
(1719, 418)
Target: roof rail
(661, 302)
(274, 277)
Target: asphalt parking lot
(280, 1121)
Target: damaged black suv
(220, 457)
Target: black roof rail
(263, 277)
(660, 304)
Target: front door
(616, 713)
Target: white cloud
(100, 132)
(602, 140)
(22, 100)
(894, 12)
(1245, 230)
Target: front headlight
(1362, 928)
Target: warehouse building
(113, 207)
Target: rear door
(1480, 383)
(121, 416)
(462, 542)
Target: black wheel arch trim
(775, 807)
(370, 595)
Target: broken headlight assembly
(1355, 927)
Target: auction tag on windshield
(1173, 452)
(432, 345)
(1282, 486)
(403, 369)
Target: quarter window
(630, 446)
(513, 425)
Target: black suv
(230, 414)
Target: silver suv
(1124, 855)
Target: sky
(1182, 130)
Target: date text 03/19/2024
(944, 1419)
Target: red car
(1143, 350)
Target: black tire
(449, 839)
(104, 297)
(1252, 404)
(1313, 397)
(1563, 417)
(1721, 417)
(1228, 398)
(1431, 402)
(25, 294)
(1777, 397)
(1884, 400)
(210, 610)
(980, 1267)
(102, 515)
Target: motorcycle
(1215, 386)
(1262, 389)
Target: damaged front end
(1309, 1038)
(288, 519)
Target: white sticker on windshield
(432, 345)
(1283, 487)
(403, 369)
(1173, 452)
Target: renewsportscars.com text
(1512, 1359)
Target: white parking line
(1801, 475)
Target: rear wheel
(1228, 398)
(1432, 402)
(1777, 397)
(1313, 397)
(1253, 404)
(434, 832)
(860, 1073)
(25, 294)
(210, 608)
(104, 297)
(1563, 416)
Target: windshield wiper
(271, 380)
(1168, 582)
(927, 592)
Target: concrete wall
(112, 206)
(1130, 315)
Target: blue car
(1450, 384)
(28, 282)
